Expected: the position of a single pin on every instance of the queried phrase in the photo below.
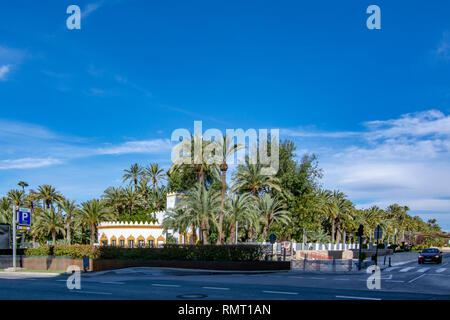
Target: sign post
(272, 239)
(22, 222)
(360, 233)
(378, 234)
(14, 239)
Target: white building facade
(143, 234)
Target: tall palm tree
(70, 209)
(48, 195)
(133, 174)
(155, 173)
(92, 213)
(114, 198)
(271, 210)
(202, 165)
(23, 184)
(157, 198)
(201, 205)
(239, 209)
(17, 197)
(50, 221)
(226, 148)
(248, 177)
(5, 210)
(131, 198)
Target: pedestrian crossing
(414, 269)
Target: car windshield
(430, 251)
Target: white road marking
(314, 278)
(422, 275)
(216, 288)
(391, 268)
(407, 269)
(280, 292)
(112, 282)
(89, 292)
(296, 277)
(423, 269)
(441, 270)
(165, 285)
(395, 281)
(341, 279)
(361, 298)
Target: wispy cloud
(403, 160)
(28, 163)
(4, 70)
(443, 50)
(90, 8)
(146, 146)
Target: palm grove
(292, 204)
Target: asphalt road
(408, 281)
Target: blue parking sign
(24, 217)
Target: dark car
(430, 255)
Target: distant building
(143, 234)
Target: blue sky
(79, 106)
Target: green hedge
(74, 251)
(185, 252)
(168, 252)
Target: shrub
(185, 252)
(73, 251)
(168, 252)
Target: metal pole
(237, 226)
(14, 238)
(359, 257)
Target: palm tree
(248, 177)
(23, 184)
(271, 210)
(48, 195)
(50, 221)
(158, 198)
(239, 209)
(92, 213)
(201, 205)
(335, 206)
(155, 173)
(71, 210)
(226, 148)
(202, 165)
(133, 174)
(130, 198)
(114, 198)
(5, 210)
(16, 197)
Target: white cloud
(28, 163)
(90, 8)
(145, 146)
(404, 160)
(443, 50)
(4, 70)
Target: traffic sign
(24, 217)
(378, 234)
(272, 238)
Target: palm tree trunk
(53, 237)
(224, 186)
(232, 233)
(332, 229)
(69, 235)
(92, 233)
(204, 233)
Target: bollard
(390, 262)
